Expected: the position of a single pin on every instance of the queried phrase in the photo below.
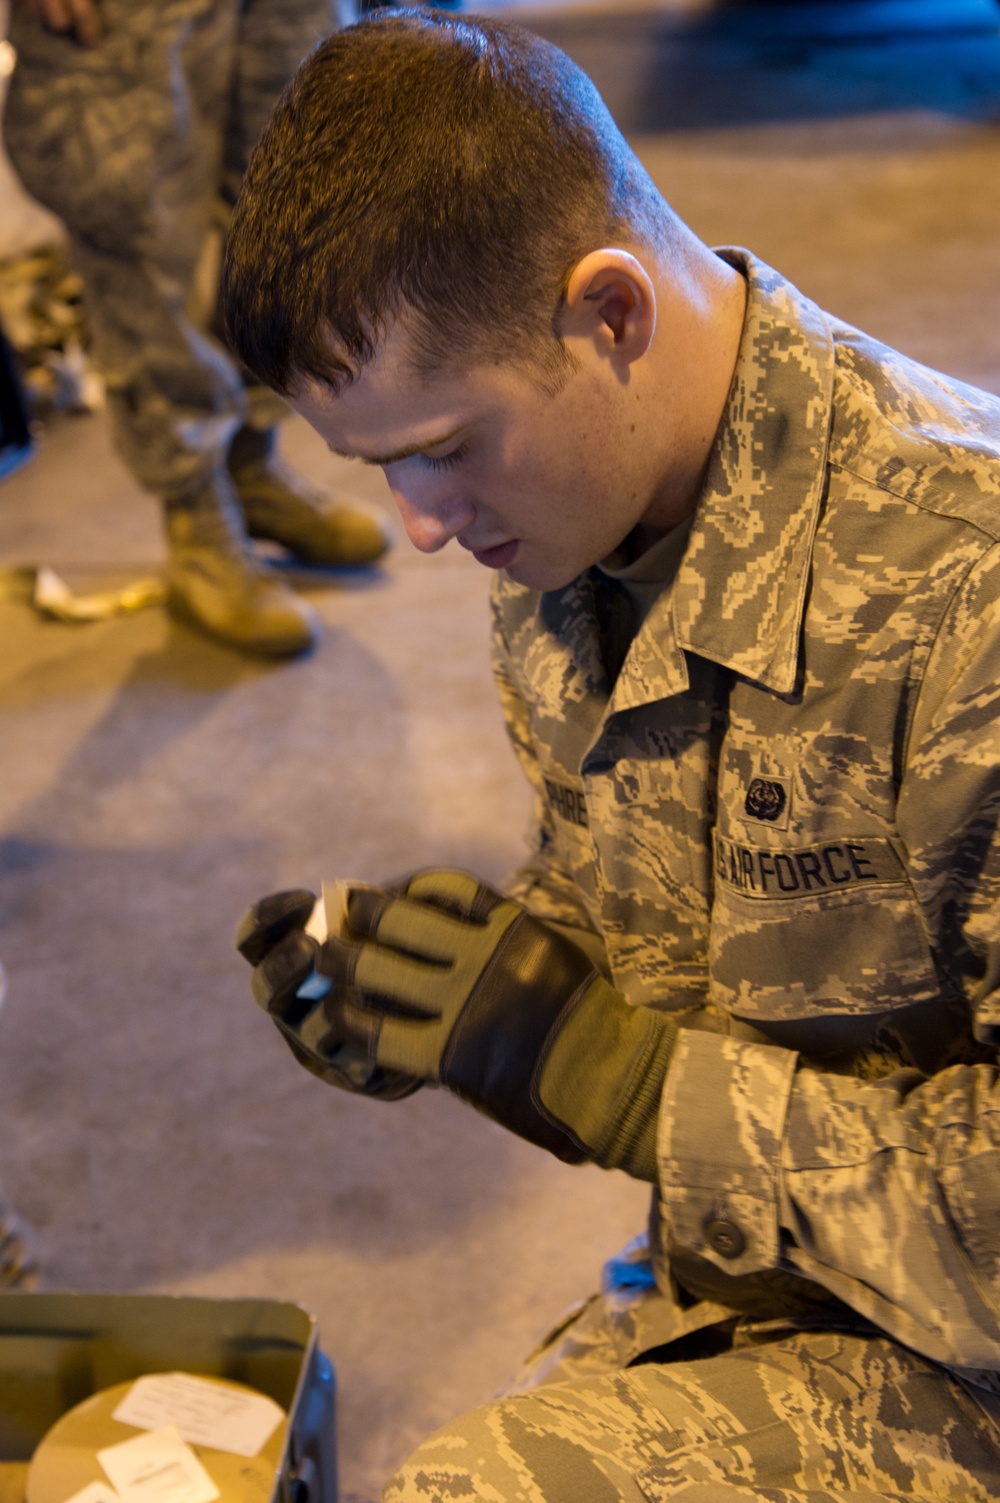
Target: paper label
(335, 896)
(329, 916)
(317, 926)
(95, 1492)
(157, 1468)
(315, 986)
(205, 1414)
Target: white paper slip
(326, 918)
(317, 927)
(157, 1468)
(205, 1414)
(335, 899)
(329, 916)
(95, 1492)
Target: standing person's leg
(810, 1418)
(272, 38)
(124, 141)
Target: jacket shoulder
(914, 433)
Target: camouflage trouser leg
(811, 1417)
(272, 38)
(133, 144)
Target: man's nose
(430, 524)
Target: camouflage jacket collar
(740, 591)
(739, 594)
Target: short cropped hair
(455, 168)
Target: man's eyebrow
(399, 454)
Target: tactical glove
(448, 981)
(271, 936)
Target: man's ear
(610, 299)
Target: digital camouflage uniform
(780, 819)
(140, 145)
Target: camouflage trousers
(806, 1417)
(139, 145)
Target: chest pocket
(801, 932)
(569, 824)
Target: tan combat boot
(217, 583)
(280, 505)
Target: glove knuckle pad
(365, 907)
(338, 958)
(282, 971)
(268, 921)
(456, 892)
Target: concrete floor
(151, 784)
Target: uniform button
(725, 1238)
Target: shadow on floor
(143, 1081)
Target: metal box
(58, 1349)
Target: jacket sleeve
(886, 1192)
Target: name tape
(568, 803)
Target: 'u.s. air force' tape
(808, 871)
(329, 916)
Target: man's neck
(697, 355)
(639, 541)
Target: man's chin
(538, 576)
